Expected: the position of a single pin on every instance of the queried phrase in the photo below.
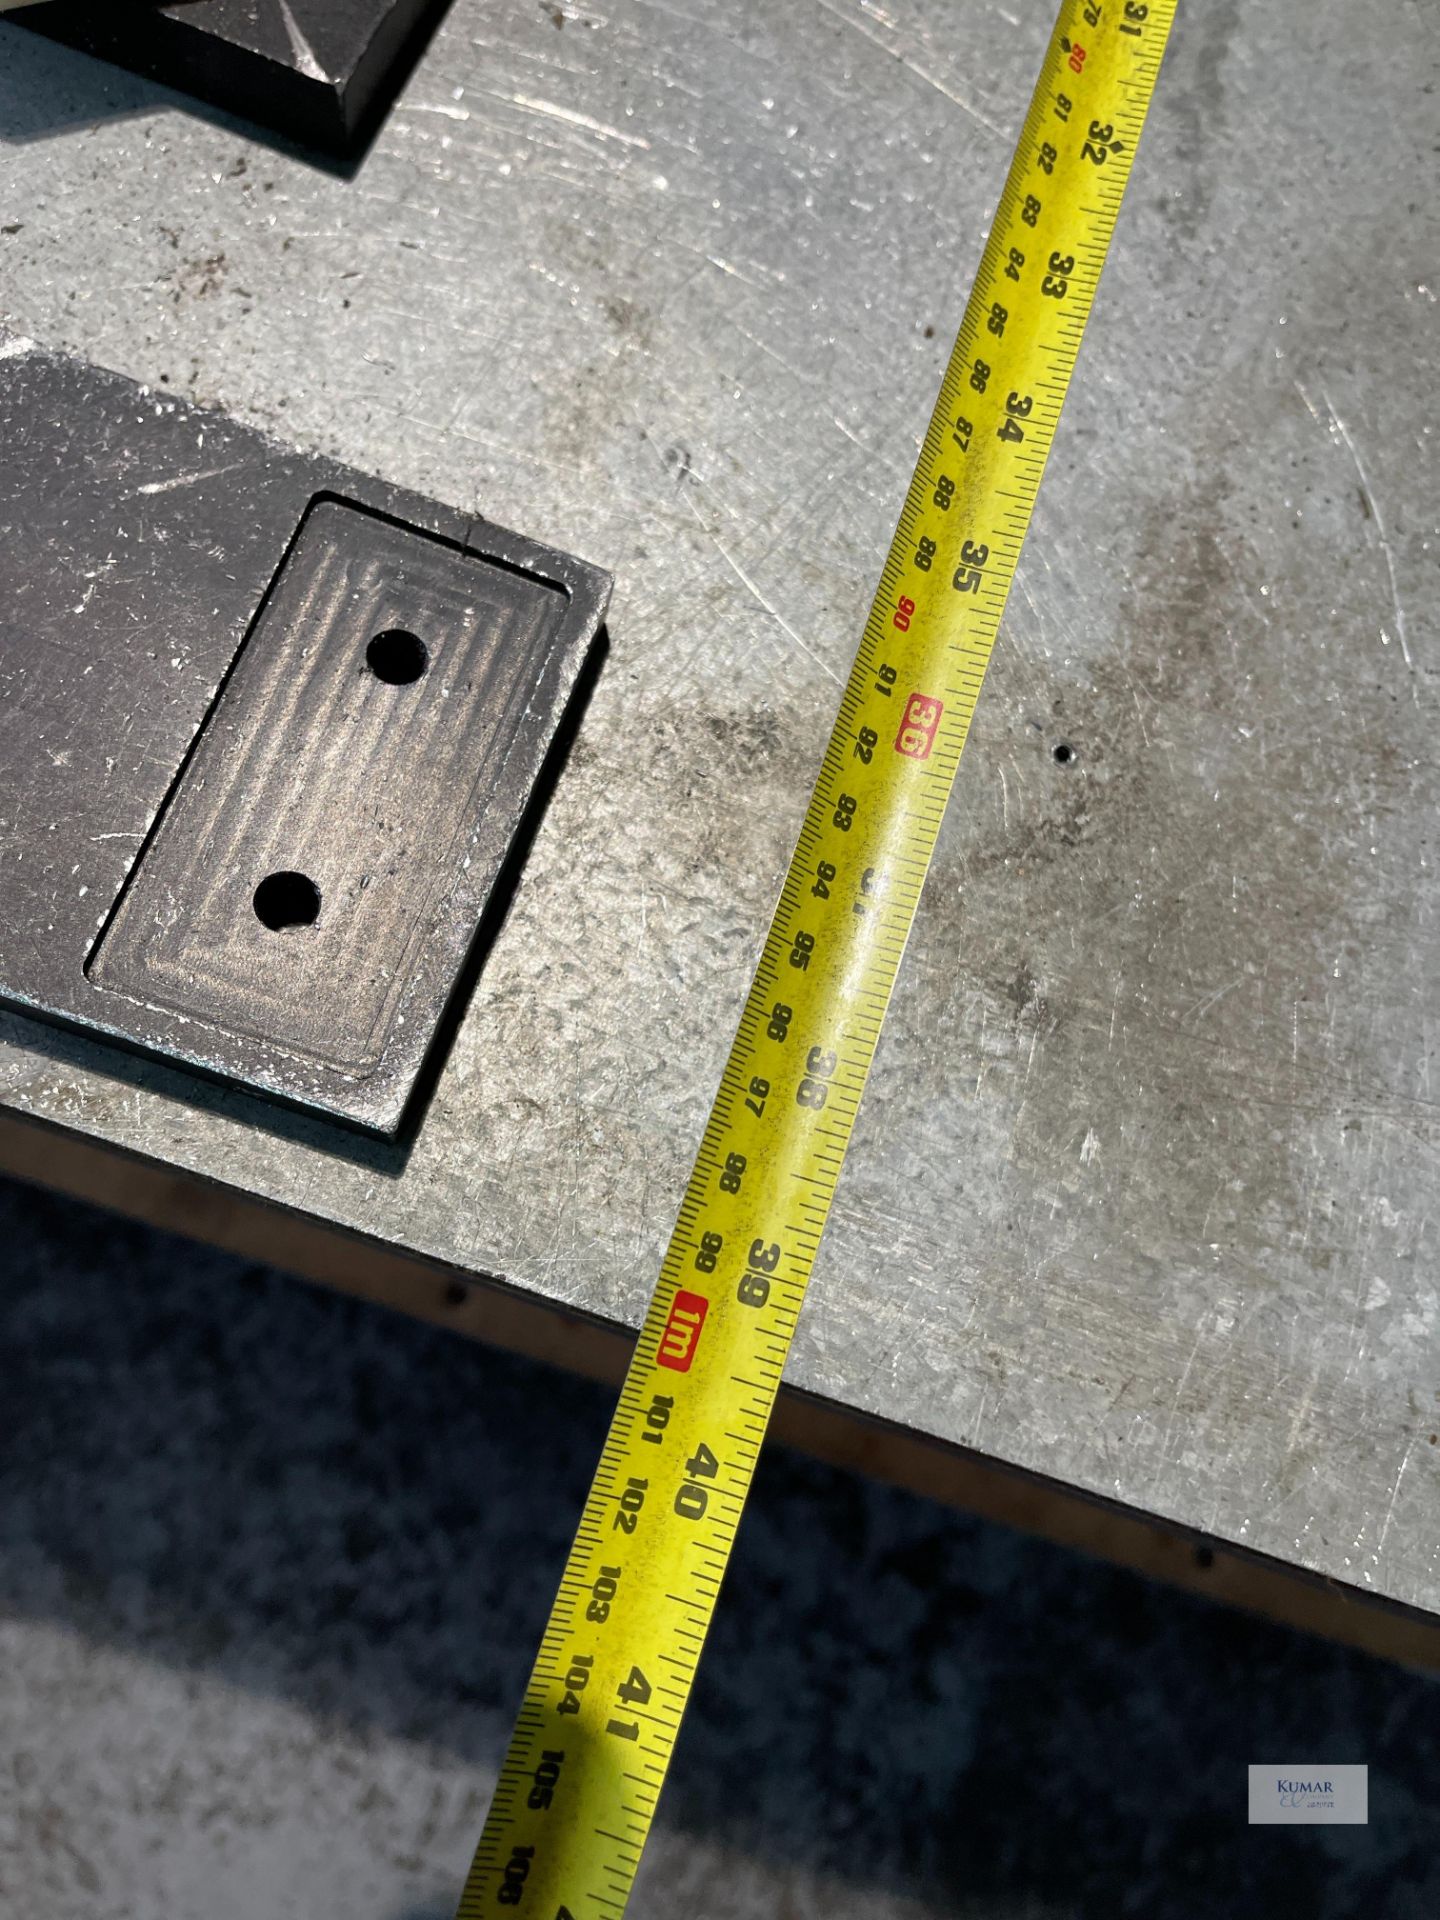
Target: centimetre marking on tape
(578, 1788)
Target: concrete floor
(272, 1569)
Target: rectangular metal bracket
(318, 71)
(259, 781)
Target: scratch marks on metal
(911, 65)
(188, 479)
(753, 590)
(1372, 506)
(567, 116)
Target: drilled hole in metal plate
(286, 900)
(1062, 753)
(397, 657)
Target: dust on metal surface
(1144, 1194)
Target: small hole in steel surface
(285, 900)
(1062, 753)
(396, 657)
(1204, 1557)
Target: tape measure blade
(580, 1781)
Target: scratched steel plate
(1146, 1190)
(268, 860)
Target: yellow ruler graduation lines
(578, 1789)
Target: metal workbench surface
(1146, 1192)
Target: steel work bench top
(1145, 1196)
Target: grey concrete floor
(272, 1569)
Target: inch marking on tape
(578, 1789)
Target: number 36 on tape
(919, 724)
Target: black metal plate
(319, 71)
(141, 542)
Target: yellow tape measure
(594, 1736)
